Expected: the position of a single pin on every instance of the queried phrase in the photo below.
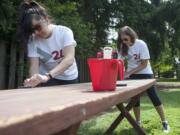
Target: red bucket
(104, 73)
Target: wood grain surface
(47, 110)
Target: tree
(156, 22)
(97, 12)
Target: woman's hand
(126, 75)
(35, 80)
(137, 69)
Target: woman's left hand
(35, 80)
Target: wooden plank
(48, 110)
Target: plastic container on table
(104, 73)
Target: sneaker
(166, 127)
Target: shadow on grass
(87, 128)
(92, 132)
(89, 131)
(129, 131)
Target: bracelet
(49, 75)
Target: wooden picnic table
(59, 110)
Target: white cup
(107, 53)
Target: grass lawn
(168, 80)
(150, 119)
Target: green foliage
(156, 22)
(114, 46)
(91, 19)
(165, 61)
(5, 14)
(8, 21)
(97, 12)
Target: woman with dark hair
(51, 48)
(139, 67)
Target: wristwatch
(49, 75)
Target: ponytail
(29, 10)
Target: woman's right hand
(31, 82)
(35, 80)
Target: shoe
(166, 128)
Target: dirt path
(167, 85)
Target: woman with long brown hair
(51, 48)
(139, 67)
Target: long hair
(29, 10)
(126, 30)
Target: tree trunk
(12, 66)
(20, 68)
(178, 71)
(3, 61)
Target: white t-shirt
(137, 52)
(50, 51)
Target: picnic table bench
(59, 110)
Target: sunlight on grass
(150, 119)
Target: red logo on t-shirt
(136, 56)
(57, 54)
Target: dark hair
(29, 10)
(126, 30)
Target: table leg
(128, 116)
(72, 130)
(124, 114)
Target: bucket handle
(121, 68)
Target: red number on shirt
(136, 56)
(57, 54)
